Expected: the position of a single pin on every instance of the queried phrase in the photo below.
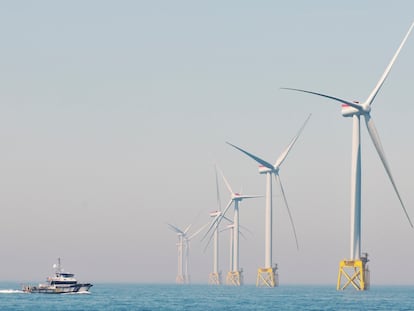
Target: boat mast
(58, 267)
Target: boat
(61, 283)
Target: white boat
(60, 283)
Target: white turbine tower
(215, 276)
(359, 277)
(231, 252)
(183, 245)
(235, 275)
(267, 276)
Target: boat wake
(11, 291)
(84, 292)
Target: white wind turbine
(355, 110)
(235, 275)
(181, 277)
(183, 246)
(267, 275)
(215, 276)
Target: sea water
(205, 297)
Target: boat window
(67, 275)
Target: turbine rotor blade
(243, 235)
(228, 219)
(209, 240)
(257, 159)
(224, 212)
(277, 178)
(188, 228)
(284, 154)
(216, 221)
(197, 232)
(227, 183)
(225, 229)
(381, 81)
(241, 227)
(175, 229)
(377, 143)
(349, 103)
(212, 224)
(247, 229)
(241, 197)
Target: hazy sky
(113, 114)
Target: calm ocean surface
(204, 297)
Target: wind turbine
(181, 277)
(183, 246)
(267, 276)
(235, 276)
(215, 276)
(355, 270)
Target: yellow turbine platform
(355, 273)
(267, 277)
(235, 278)
(214, 278)
(180, 279)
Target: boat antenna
(58, 267)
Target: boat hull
(57, 289)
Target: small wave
(11, 291)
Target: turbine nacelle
(236, 196)
(355, 109)
(239, 197)
(264, 170)
(348, 111)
